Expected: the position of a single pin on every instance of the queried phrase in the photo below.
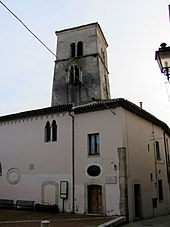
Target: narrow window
(158, 157)
(80, 49)
(93, 140)
(160, 190)
(151, 176)
(103, 56)
(54, 131)
(73, 49)
(72, 75)
(47, 132)
(76, 74)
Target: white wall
(108, 126)
(22, 149)
(139, 139)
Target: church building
(87, 153)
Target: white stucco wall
(22, 148)
(108, 126)
(139, 139)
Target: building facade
(94, 156)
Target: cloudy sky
(134, 29)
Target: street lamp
(163, 58)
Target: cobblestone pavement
(18, 218)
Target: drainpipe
(73, 172)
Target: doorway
(137, 201)
(94, 199)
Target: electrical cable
(29, 30)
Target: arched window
(73, 50)
(80, 49)
(54, 131)
(47, 132)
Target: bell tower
(81, 70)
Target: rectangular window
(158, 156)
(93, 141)
(160, 190)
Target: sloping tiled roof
(90, 107)
(120, 102)
(37, 112)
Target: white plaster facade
(43, 165)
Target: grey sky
(134, 29)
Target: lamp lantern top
(163, 58)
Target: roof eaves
(120, 102)
(37, 112)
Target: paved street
(163, 221)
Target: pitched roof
(120, 102)
(37, 112)
(85, 107)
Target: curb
(114, 222)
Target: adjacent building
(87, 153)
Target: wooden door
(95, 199)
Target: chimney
(141, 106)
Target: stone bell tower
(81, 70)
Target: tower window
(54, 131)
(76, 74)
(80, 49)
(73, 49)
(72, 75)
(47, 132)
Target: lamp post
(162, 55)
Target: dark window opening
(93, 140)
(73, 50)
(80, 49)
(158, 156)
(54, 131)
(148, 147)
(47, 132)
(72, 75)
(76, 75)
(151, 176)
(160, 190)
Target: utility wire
(29, 30)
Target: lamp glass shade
(163, 58)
